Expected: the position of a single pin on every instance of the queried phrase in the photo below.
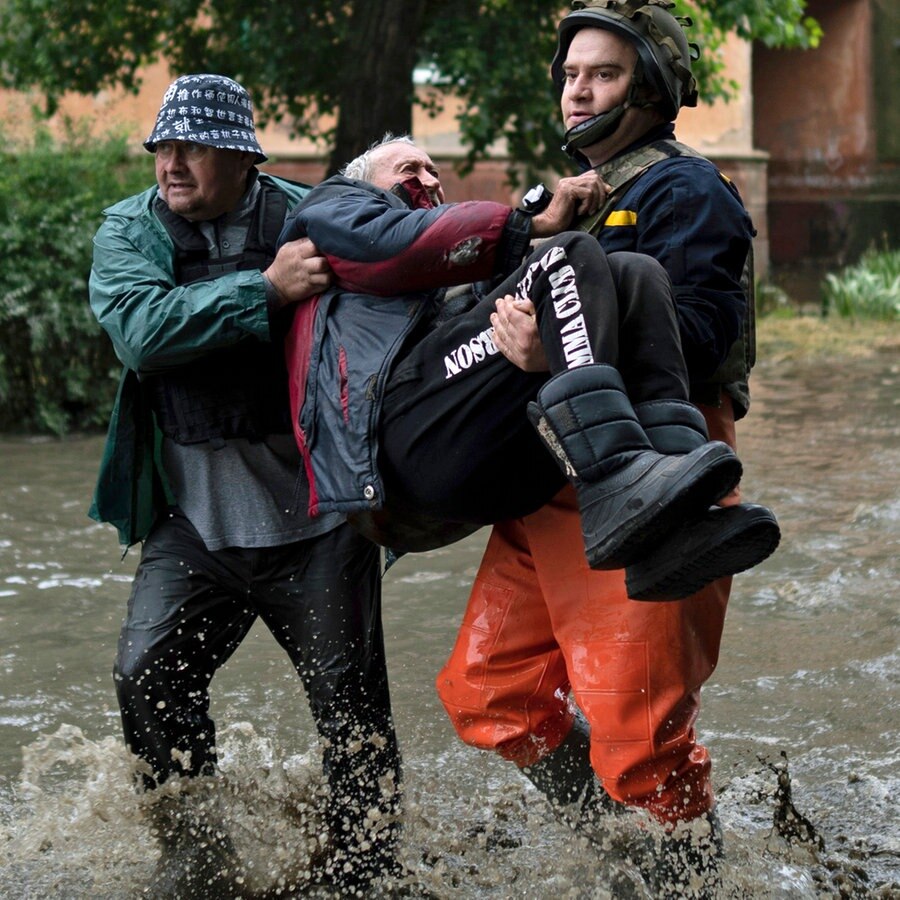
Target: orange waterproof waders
(540, 624)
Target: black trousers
(189, 610)
(455, 439)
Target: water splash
(74, 828)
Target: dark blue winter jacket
(689, 217)
(686, 215)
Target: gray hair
(360, 169)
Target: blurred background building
(812, 140)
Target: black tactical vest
(239, 391)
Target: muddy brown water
(806, 689)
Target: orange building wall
(814, 107)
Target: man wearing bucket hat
(540, 624)
(201, 467)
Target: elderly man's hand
(516, 334)
(580, 195)
(298, 271)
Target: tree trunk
(378, 87)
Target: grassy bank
(814, 338)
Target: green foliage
(57, 368)
(496, 56)
(868, 290)
(776, 23)
(301, 59)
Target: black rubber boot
(629, 495)
(197, 859)
(685, 863)
(724, 541)
(680, 864)
(566, 778)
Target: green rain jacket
(155, 324)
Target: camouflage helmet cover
(658, 36)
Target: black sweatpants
(189, 610)
(455, 438)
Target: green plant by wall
(868, 290)
(57, 369)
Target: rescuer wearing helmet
(658, 82)
(540, 624)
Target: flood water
(807, 685)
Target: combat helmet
(664, 53)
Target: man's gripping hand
(580, 195)
(298, 271)
(516, 334)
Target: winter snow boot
(725, 541)
(629, 495)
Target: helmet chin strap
(594, 129)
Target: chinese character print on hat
(207, 109)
